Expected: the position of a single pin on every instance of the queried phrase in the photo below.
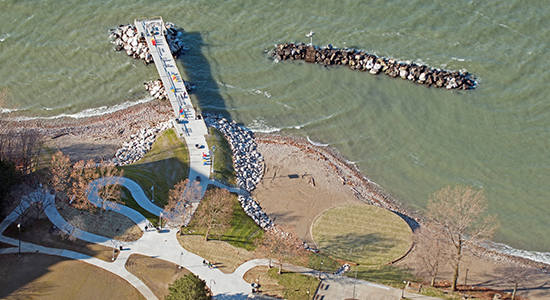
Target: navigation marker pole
(310, 35)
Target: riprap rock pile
(156, 89)
(249, 163)
(139, 144)
(253, 209)
(126, 37)
(362, 61)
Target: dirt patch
(298, 186)
(40, 276)
(112, 224)
(156, 273)
(42, 232)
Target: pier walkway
(188, 123)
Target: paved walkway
(162, 245)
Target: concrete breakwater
(362, 61)
(139, 144)
(126, 37)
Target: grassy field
(243, 230)
(296, 286)
(362, 234)
(41, 234)
(163, 166)
(129, 201)
(386, 274)
(156, 273)
(221, 254)
(223, 157)
(40, 276)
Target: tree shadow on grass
(357, 248)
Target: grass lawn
(222, 255)
(291, 286)
(40, 276)
(223, 157)
(129, 201)
(163, 166)
(295, 285)
(363, 234)
(242, 233)
(156, 273)
(386, 274)
(41, 234)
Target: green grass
(223, 157)
(362, 234)
(295, 285)
(129, 201)
(386, 274)
(328, 264)
(243, 230)
(163, 166)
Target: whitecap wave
(8, 110)
(247, 91)
(260, 125)
(316, 143)
(543, 257)
(91, 112)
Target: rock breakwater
(139, 144)
(248, 162)
(126, 37)
(362, 61)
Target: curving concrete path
(162, 245)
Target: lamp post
(19, 229)
(212, 280)
(355, 282)
(153, 189)
(321, 270)
(212, 159)
(114, 245)
(307, 294)
(403, 290)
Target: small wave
(543, 257)
(249, 91)
(91, 112)
(260, 125)
(8, 110)
(315, 143)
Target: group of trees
(456, 224)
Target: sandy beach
(300, 182)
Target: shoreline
(117, 127)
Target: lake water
(57, 60)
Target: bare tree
(76, 222)
(282, 246)
(215, 211)
(458, 213)
(59, 171)
(178, 210)
(82, 174)
(110, 193)
(515, 275)
(431, 251)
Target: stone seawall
(359, 60)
